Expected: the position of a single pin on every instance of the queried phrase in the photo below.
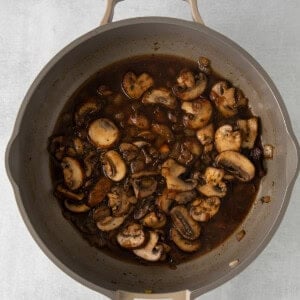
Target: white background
(32, 31)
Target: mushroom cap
(110, 223)
(211, 190)
(161, 96)
(89, 106)
(237, 164)
(114, 166)
(72, 172)
(103, 133)
(155, 220)
(76, 208)
(99, 191)
(152, 251)
(203, 210)
(190, 90)
(132, 236)
(199, 113)
(227, 139)
(249, 131)
(144, 187)
(206, 134)
(134, 87)
(182, 243)
(183, 222)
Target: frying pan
(27, 159)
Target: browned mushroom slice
(164, 131)
(78, 145)
(99, 191)
(171, 171)
(155, 220)
(227, 139)
(139, 120)
(161, 96)
(100, 213)
(236, 164)
(164, 201)
(89, 106)
(193, 146)
(185, 197)
(183, 222)
(76, 208)
(145, 173)
(227, 99)
(90, 161)
(113, 165)
(68, 194)
(119, 201)
(110, 223)
(144, 187)
(214, 186)
(103, 133)
(132, 236)
(189, 89)
(134, 87)
(249, 130)
(129, 151)
(202, 210)
(152, 251)
(73, 173)
(204, 65)
(182, 243)
(142, 208)
(199, 113)
(206, 134)
(147, 135)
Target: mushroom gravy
(156, 159)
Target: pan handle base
(181, 295)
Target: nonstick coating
(28, 162)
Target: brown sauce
(164, 69)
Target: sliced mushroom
(193, 146)
(163, 130)
(147, 135)
(249, 130)
(134, 87)
(76, 208)
(103, 133)
(73, 173)
(171, 171)
(132, 236)
(227, 99)
(227, 139)
(57, 147)
(129, 151)
(185, 197)
(155, 220)
(139, 120)
(152, 251)
(186, 79)
(187, 89)
(68, 194)
(202, 210)
(100, 213)
(119, 201)
(161, 96)
(145, 173)
(78, 145)
(214, 186)
(206, 134)
(89, 106)
(114, 166)
(204, 65)
(199, 113)
(110, 223)
(182, 243)
(142, 208)
(183, 222)
(99, 191)
(236, 164)
(144, 187)
(164, 201)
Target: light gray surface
(32, 33)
